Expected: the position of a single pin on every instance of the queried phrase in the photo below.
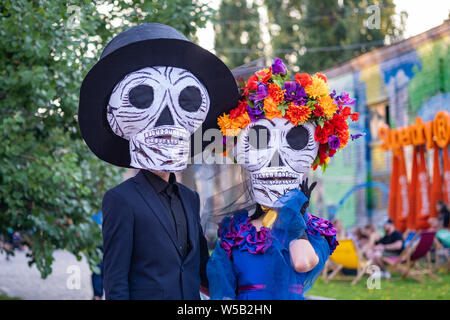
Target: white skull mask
(157, 109)
(276, 154)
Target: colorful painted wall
(392, 85)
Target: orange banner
(411, 220)
(398, 196)
(436, 186)
(446, 169)
(422, 192)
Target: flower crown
(271, 93)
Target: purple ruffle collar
(325, 228)
(237, 231)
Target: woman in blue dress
(281, 129)
(254, 262)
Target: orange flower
(297, 115)
(270, 109)
(328, 106)
(318, 88)
(276, 93)
(227, 126)
(241, 121)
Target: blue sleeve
(221, 275)
(117, 229)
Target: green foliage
(237, 26)
(50, 182)
(330, 25)
(332, 31)
(395, 288)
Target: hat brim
(102, 78)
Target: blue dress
(255, 265)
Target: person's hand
(307, 190)
(379, 247)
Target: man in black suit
(139, 105)
(153, 242)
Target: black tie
(176, 208)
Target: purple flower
(333, 94)
(357, 136)
(255, 113)
(334, 142)
(261, 93)
(294, 93)
(278, 66)
(344, 99)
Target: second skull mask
(276, 154)
(157, 109)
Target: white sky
(422, 16)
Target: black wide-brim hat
(147, 45)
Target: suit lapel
(152, 200)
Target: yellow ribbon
(269, 218)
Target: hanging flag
(436, 186)
(393, 187)
(422, 192)
(446, 169)
(402, 203)
(411, 220)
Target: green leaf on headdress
(283, 107)
(321, 122)
(279, 80)
(250, 102)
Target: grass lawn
(3, 297)
(392, 289)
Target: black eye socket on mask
(190, 99)
(258, 137)
(141, 97)
(297, 137)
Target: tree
(50, 182)
(315, 35)
(237, 32)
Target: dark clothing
(169, 196)
(444, 216)
(391, 238)
(97, 282)
(142, 258)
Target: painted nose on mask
(165, 118)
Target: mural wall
(392, 85)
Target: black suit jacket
(141, 258)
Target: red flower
(252, 83)
(318, 111)
(264, 75)
(322, 76)
(331, 152)
(323, 152)
(321, 135)
(240, 109)
(304, 79)
(346, 112)
(355, 116)
(339, 124)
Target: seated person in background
(341, 233)
(390, 245)
(359, 237)
(443, 214)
